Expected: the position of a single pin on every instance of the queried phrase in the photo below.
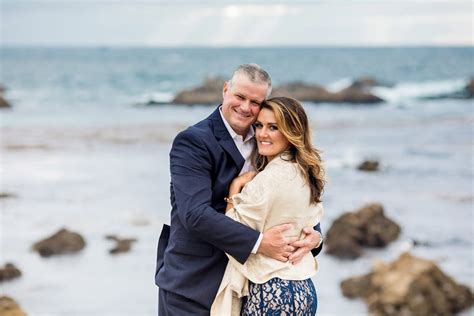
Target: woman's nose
(264, 131)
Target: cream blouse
(277, 195)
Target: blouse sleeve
(251, 206)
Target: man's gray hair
(254, 73)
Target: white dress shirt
(245, 147)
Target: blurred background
(89, 92)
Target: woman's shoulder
(281, 169)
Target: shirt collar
(233, 134)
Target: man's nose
(245, 105)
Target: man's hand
(275, 245)
(305, 245)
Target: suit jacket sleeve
(191, 177)
(317, 250)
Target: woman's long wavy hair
(293, 123)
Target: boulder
(9, 272)
(62, 242)
(8, 307)
(364, 83)
(356, 95)
(409, 286)
(7, 195)
(368, 226)
(314, 93)
(369, 165)
(4, 104)
(121, 245)
(469, 89)
(302, 92)
(210, 92)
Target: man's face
(241, 103)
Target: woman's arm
(237, 184)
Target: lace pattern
(281, 297)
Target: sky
(236, 23)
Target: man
(203, 161)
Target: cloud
(227, 23)
(247, 10)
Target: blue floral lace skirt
(280, 297)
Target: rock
(469, 89)
(356, 95)
(409, 286)
(366, 227)
(9, 272)
(317, 94)
(210, 92)
(369, 165)
(4, 104)
(358, 286)
(122, 244)
(7, 195)
(368, 82)
(364, 83)
(8, 307)
(62, 242)
(303, 92)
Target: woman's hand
(238, 183)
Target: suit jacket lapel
(223, 136)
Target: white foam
(157, 96)
(415, 90)
(339, 85)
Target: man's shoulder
(203, 128)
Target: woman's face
(270, 140)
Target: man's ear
(225, 88)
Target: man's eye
(240, 97)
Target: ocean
(80, 150)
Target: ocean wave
(158, 97)
(404, 91)
(339, 85)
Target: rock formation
(317, 94)
(369, 165)
(122, 244)
(9, 272)
(62, 242)
(3, 103)
(8, 307)
(6, 195)
(210, 92)
(367, 226)
(469, 89)
(409, 286)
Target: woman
(287, 189)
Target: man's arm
(191, 176)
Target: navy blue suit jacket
(191, 253)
